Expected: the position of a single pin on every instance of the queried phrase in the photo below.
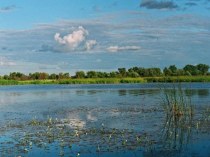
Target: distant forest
(134, 72)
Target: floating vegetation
(58, 133)
(206, 114)
(203, 124)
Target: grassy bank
(110, 80)
(75, 81)
(178, 79)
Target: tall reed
(175, 102)
(179, 113)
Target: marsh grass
(110, 80)
(75, 81)
(8, 82)
(175, 103)
(102, 81)
(179, 113)
(171, 79)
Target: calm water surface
(134, 107)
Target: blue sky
(71, 35)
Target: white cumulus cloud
(5, 62)
(123, 48)
(74, 39)
(90, 44)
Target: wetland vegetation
(139, 120)
(189, 73)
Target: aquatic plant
(175, 103)
(179, 113)
(203, 124)
(58, 134)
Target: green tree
(156, 71)
(102, 74)
(66, 75)
(180, 72)
(173, 69)
(141, 71)
(113, 74)
(6, 77)
(43, 76)
(17, 76)
(191, 69)
(133, 74)
(122, 72)
(34, 76)
(92, 74)
(203, 68)
(53, 76)
(80, 74)
(167, 72)
(63, 75)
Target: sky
(70, 35)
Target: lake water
(122, 114)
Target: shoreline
(170, 79)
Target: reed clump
(176, 103)
(179, 113)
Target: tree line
(134, 72)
